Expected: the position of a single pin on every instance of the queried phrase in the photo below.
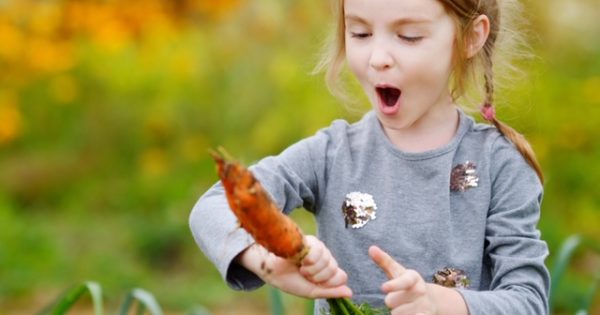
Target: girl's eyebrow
(400, 21)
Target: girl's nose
(381, 58)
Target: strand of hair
(522, 146)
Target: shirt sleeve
(513, 248)
(289, 178)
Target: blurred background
(107, 109)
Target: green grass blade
(589, 297)
(140, 309)
(565, 254)
(146, 300)
(334, 307)
(352, 308)
(310, 307)
(276, 302)
(342, 306)
(68, 299)
(126, 304)
(96, 293)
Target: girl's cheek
(353, 63)
(358, 58)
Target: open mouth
(388, 95)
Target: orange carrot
(261, 218)
(257, 213)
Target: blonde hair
(466, 70)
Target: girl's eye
(360, 35)
(410, 39)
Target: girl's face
(401, 52)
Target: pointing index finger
(390, 266)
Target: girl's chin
(391, 122)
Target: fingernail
(349, 292)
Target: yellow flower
(48, 56)
(154, 162)
(45, 18)
(11, 40)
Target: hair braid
(511, 134)
(489, 78)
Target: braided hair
(465, 12)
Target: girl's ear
(478, 35)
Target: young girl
(415, 196)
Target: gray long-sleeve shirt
(488, 229)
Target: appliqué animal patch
(452, 278)
(358, 209)
(463, 177)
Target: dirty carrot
(256, 211)
(261, 218)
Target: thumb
(391, 267)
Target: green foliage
(145, 301)
(344, 306)
(277, 307)
(562, 262)
(574, 298)
(69, 298)
(586, 306)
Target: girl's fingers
(409, 280)
(319, 292)
(317, 250)
(339, 278)
(319, 259)
(390, 266)
(325, 273)
(405, 290)
(395, 299)
(325, 262)
(317, 267)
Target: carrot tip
(220, 154)
(215, 155)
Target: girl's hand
(318, 276)
(319, 266)
(406, 291)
